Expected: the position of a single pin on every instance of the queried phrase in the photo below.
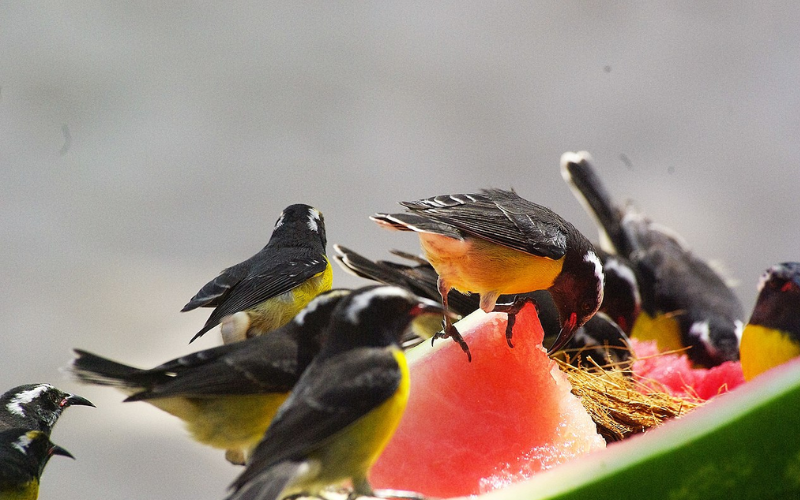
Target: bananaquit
(494, 243)
(23, 456)
(267, 290)
(685, 304)
(345, 407)
(600, 337)
(35, 407)
(772, 336)
(226, 395)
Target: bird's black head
(28, 451)
(713, 338)
(310, 326)
(38, 405)
(621, 299)
(298, 225)
(376, 316)
(577, 291)
(778, 302)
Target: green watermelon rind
(742, 445)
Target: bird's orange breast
(473, 265)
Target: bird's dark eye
(587, 306)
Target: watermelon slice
(474, 427)
(742, 445)
(673, 373)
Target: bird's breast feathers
(279, 310)
(474, 265)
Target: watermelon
(743, 445)
(673, 373)
(474, 427)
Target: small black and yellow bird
(495, 243)
(24, 453)
(600, 338)
(772, 336)
(267, 290)
(345, 407)
(35, 407)
(685, 303)
(226, 395)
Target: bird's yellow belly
(279, 310)
(226, 422)
(764, 348)
(664, 329)
(478, 266)
(27, 491)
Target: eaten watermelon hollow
(674, 374)
(474, 427)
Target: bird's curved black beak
(564, 336)
(57, 450)
(72, 399)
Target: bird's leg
(512, 308)
(361, 488)
(448, 329)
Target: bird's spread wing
(331, 396)
(257, 366)
(500, 217)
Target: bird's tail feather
(414, 222)
(578, 172)
(268, 484)
(93, 369)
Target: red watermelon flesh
(474, 427)
(673, 373)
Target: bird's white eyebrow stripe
(362, 301)
(626, 273)
(25, 397)
(312, 306)
(313, 219)
(598, 268)
(22, 443)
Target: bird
(267, 290)
(24, 453)
(226, 395)
(599, 338)
(685, 303)
(35, 407)
(496, 242)
(345, 407)
(772, 335)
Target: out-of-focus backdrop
(145, 146)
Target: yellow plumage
(479, 266)
(277, 311)
(763, 348)
(351, 452)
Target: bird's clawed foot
(450, 331)
(512, 308)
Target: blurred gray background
(145, 146)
